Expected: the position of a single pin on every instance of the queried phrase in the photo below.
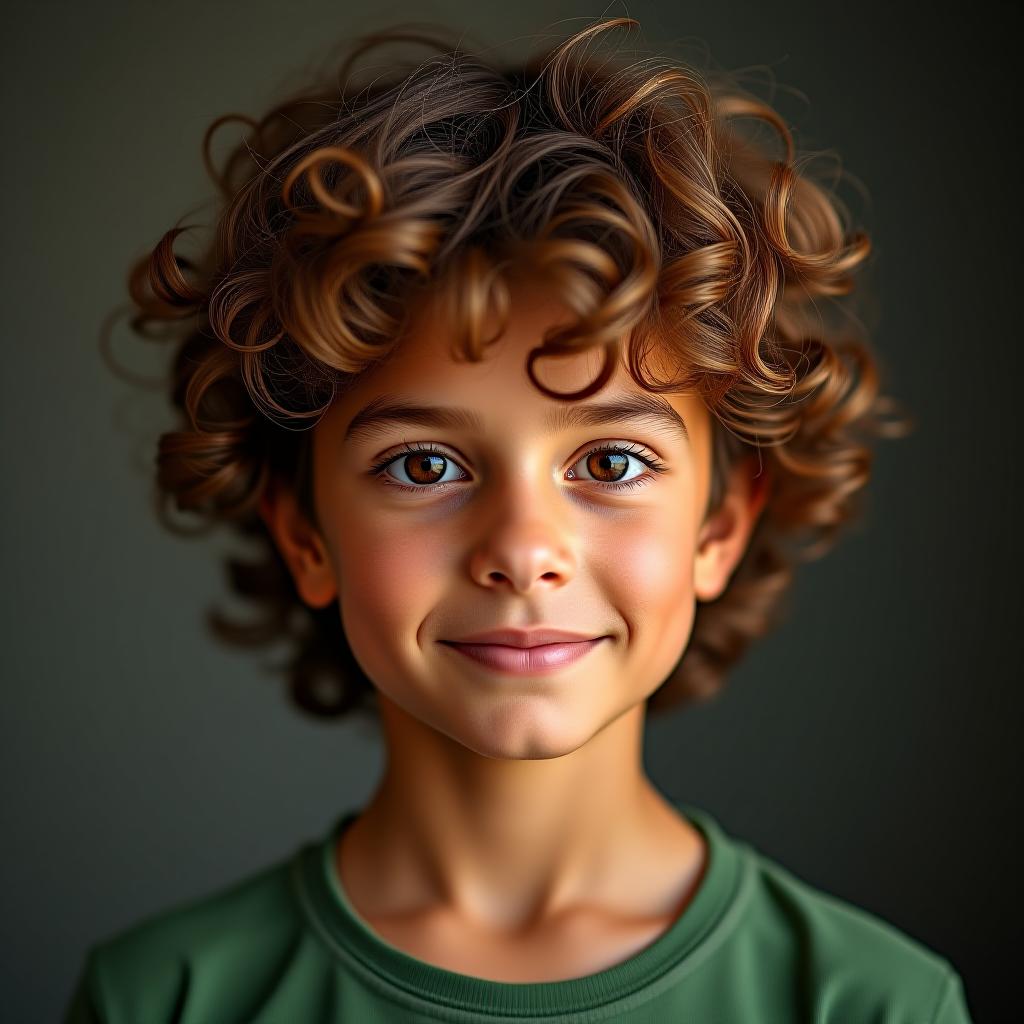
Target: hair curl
(630, 185)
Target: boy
(558, 330)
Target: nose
(524, 547)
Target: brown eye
(607, 466)
(420, 469)
(424, 469)
(611, 465)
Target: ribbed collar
(410, 982)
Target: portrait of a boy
(530, 384)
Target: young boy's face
(525, 530)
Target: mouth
(539, 660)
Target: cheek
(389, 577)
(647, 572)
(648, 561)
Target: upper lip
(524, 637)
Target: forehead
(426, 369)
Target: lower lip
(526, 660)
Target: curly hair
(632, 185)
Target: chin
(516, 734)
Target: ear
(300, 544)
(723, 536)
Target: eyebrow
(638, 408)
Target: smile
(538, 660)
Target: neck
(509, 842)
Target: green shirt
(285, 946)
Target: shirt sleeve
(952, 1008)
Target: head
(523, 244)
(522, 512)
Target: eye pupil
(426, 465)
(602, 462)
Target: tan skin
(514, 835)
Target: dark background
(866, 745)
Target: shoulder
(240, 930)
(855, 965)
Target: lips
(538, 659)
(524, 637)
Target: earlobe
(724, 536)
(716, 546)
(300, 544)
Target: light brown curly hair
(630, 184)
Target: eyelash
(649, 460)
